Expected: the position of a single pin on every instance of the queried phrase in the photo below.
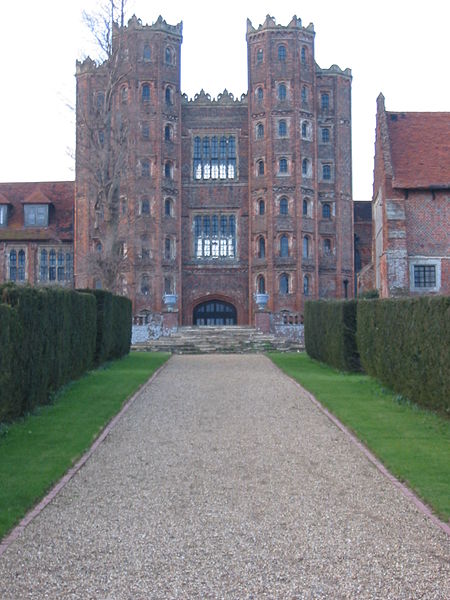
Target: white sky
(398, 47)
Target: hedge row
(48, 336)
(113, 326)
(330, 328)
(402, 342)
(405, 344)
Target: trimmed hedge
(405, 344)
(50, 334)
(113, 326)
(330, 328)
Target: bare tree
(102, 143)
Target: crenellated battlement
(334, 70)
(159, 25)
(271, 24)
(226, 98)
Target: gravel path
(222, 481)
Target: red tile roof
(420, 149)
(59, 194)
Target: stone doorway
(215, 312)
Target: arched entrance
(215, 312)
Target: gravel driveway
(222, 481)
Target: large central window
(215, 236)
(214, 157)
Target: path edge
(404, 489)
(18, 529)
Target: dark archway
(215, 312)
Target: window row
(146, 168)
(145, 207)
(169, 131)
(283, 208)
(305, 93)
(54, 265)
(35, 215)
(284, 168)
(284, 284)
(214, 157)
(169, 54)
(282, 54)
(215, 236)
(306, 131)
(284, 246)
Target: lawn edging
(404, 489)
(17, 530)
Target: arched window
(13, 265)
(100, 100)
(306, 285)
(282, 128)
(260, 167)
(304, 95)
(305, 167)
(21, 265)
(169, 96)
(326, 172)
(145, 285)
(147, 52)
(60, 273)
(325, 135)
(326, 211)
(259, 94)
(145, 210)
(98, 248)
(168, 207)
(52, 265)
(283, 165)
(261, 207)
(306, 247)
(168, 285)
(327, 246)
(145, 168)
(284, 284)
(259, 131)
(124, 94)
(43, 265)
(261, 284)
(282, 53)
(284, 206)
(168, 248)
(284, 246)
(146, 93)
(303, 55)
(281, 91)
(261, 247)
(168, 56)
(324, 101)
(168, 133)
(168, 170)
(306, 211)
(259, 56)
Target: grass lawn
(414, 444)
(36, 451)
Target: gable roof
(420, 149)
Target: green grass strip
(36, 451)
(413, 443)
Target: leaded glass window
(214, 236)
(424, 276)
(214, 158)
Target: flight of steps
(220, 339)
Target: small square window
(36, 215)
(425, 276)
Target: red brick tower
(300, 231)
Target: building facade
(208, 202)
(411, 203)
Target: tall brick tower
(300, 230)
(215, 199)
(146, 103)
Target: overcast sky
(398, 47)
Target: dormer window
(36, 215)
(3, 215)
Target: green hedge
(405, 344)
(50, 333)
(113, 326)
(330, 327)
